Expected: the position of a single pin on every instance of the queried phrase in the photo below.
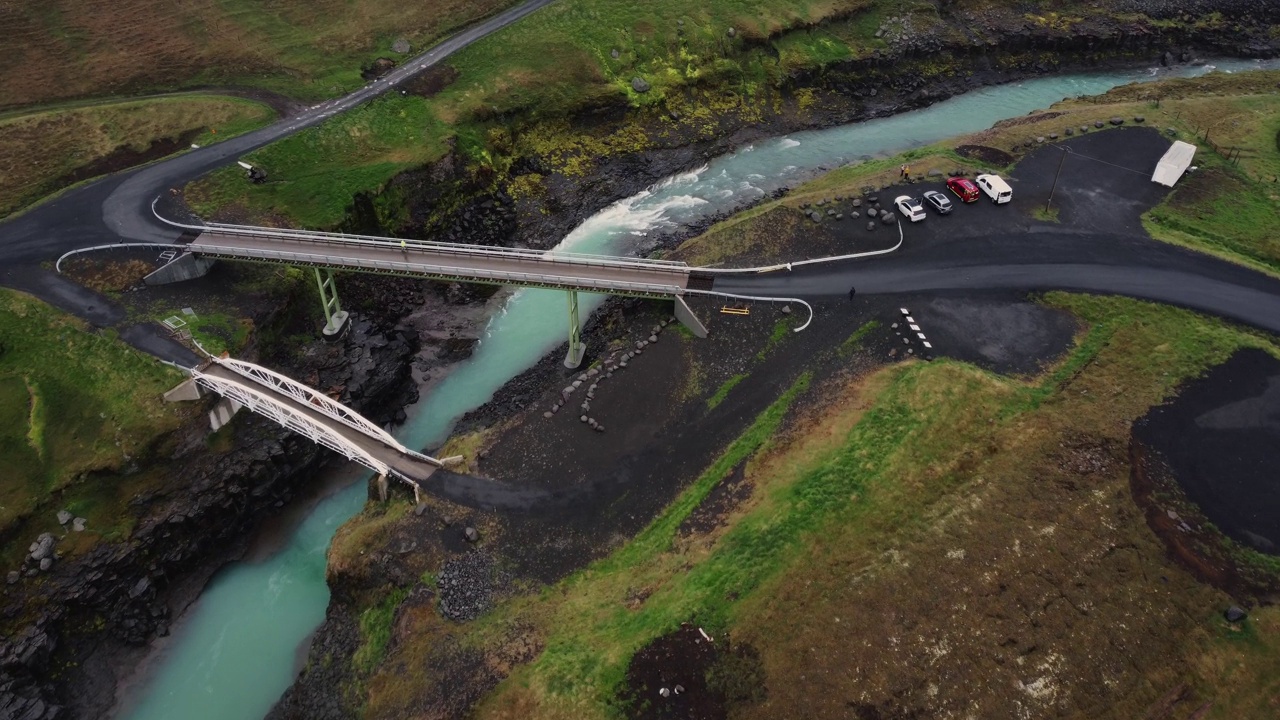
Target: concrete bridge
(326, 252)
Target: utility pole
(1048, 202)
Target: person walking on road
(852, 291)
(902, 171)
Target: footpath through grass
(46, 151)
(72, 402)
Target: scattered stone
(1070, 131)
(786, 309)
(1040, 139)
(888, 218)
(1173, 515)
(592, 422)
(615, 54)
(731, 32)
(821, 202)
(547, 414)
(653, 338)
(577, 384)
(1171, 132)
(401, 46)
(1139, 119)
(855, 214)
(599, 428)
(568, 390)
(1235, 614)
(583, 418)
(45, 564)
(831, 212)
(1117, 121)
(64, 517)
(12, 577)
(871, 226)
(839, 216)
(42, 547)
(1053, 136)
(934, 173)
(873, 199)
(871, 212)
(639, 85)
(622, 364)
(466, 585)
(1084, 128)
(639, 351)
(815, 216)
(1099, 124)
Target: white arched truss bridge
(316, 416)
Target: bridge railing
(459, 249)
(498, 276)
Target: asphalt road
(1099, 245)
(118, 208)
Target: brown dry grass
(64, 48)
(1032, 588)
(38, 150)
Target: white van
(996, 188)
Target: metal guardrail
(799, 263)
(57, 266)
(569, 282)
(461, 249)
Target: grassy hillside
(42, 152)
(56, 49)
(76, 408)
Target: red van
(963, 188)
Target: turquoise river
(237, 648)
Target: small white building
(1174, 163)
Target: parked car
(995, 188)
(938, 202)
(963, 188)
(909, 207)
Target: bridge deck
(407, 466)
(621, 276)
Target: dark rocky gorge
(77, 621)
(85, 620)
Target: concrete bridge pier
(576, 347)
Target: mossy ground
(79, 409)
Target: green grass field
(73, 403)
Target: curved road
(1099, 247)
(118, 207)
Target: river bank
(511, 441)
(635, 172)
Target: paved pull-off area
(1099, 245)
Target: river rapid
(238, 647)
